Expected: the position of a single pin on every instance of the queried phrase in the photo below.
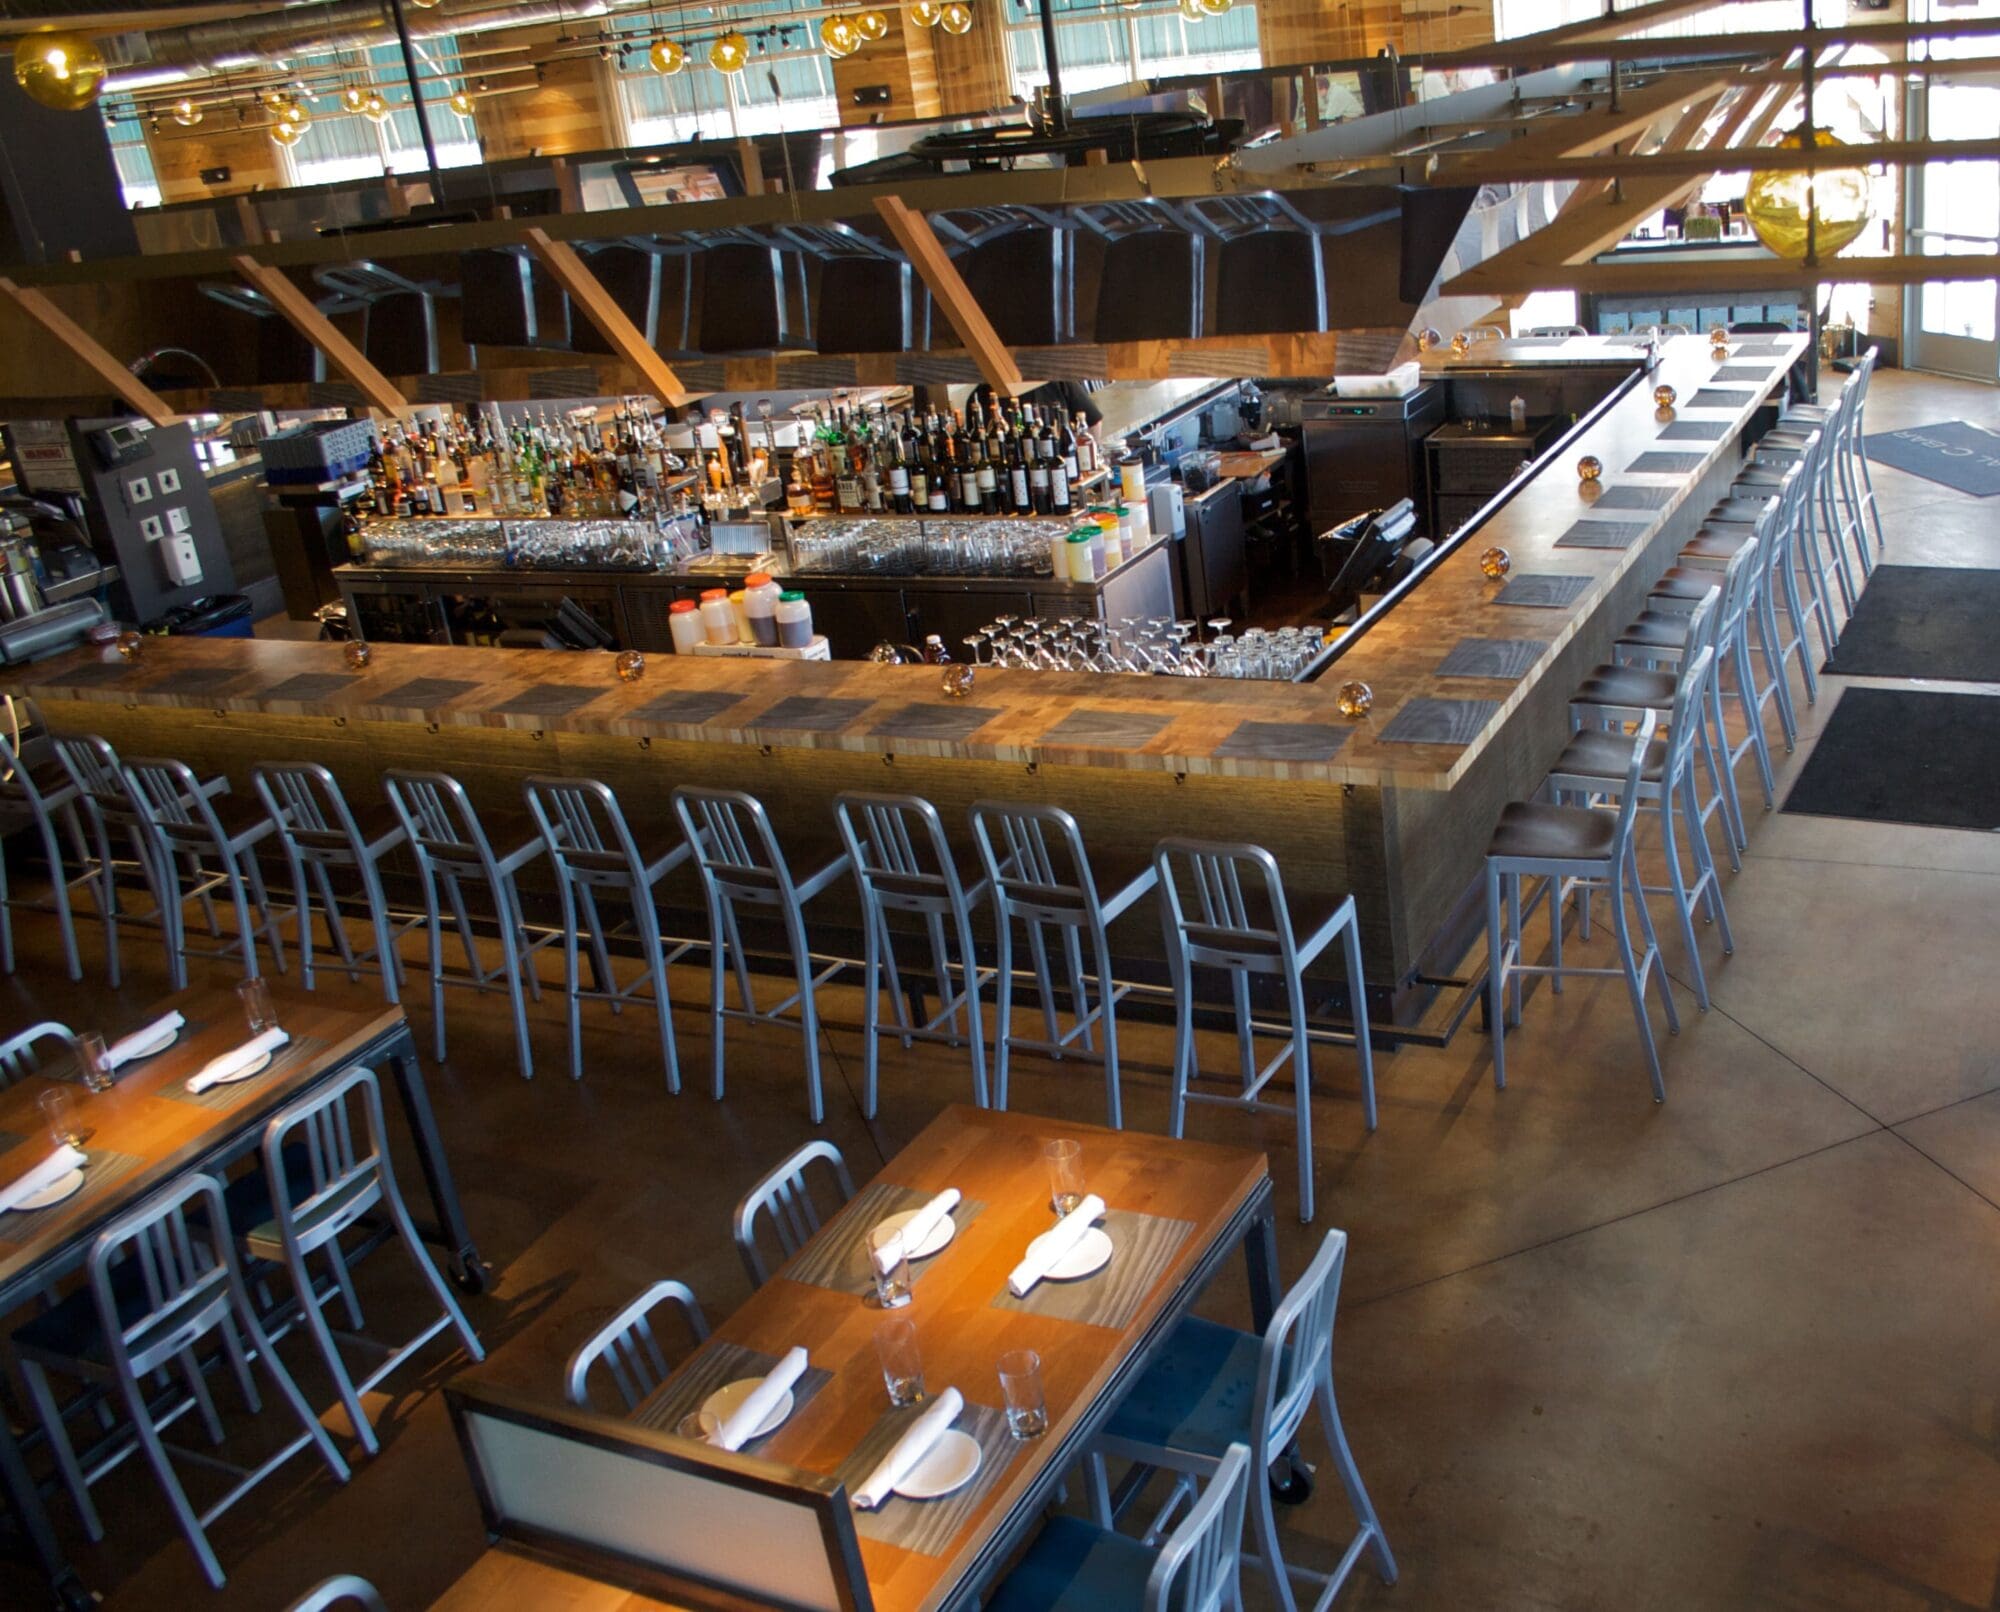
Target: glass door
(1953, 326)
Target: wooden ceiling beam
(627, 340)
(298, 310)
(948, 289)
(1589, 133)
(89, 351)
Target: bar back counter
(1470, 678)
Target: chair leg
(406, 1228)
(1184, 1066)
(64, 918)
(1683, 904)
(1302, 1097)
(1003, 1012)
(871, 1007)
(975, 1017)
(163, 1469)
(302, 912)
(50, 1416)
(1744, 679)
(808, 1013)
(1079, 997)
(315, 1434)
(1038, 949)
(572, 982)
(719, 960)
(1357, 993)
(336, 931)
(1496, 979)
(647, 918)
(1270, 1553)
(1114, 1097)
(516, 966)
(1706, 877)
(1350, 1479)
(385, 931)
(1722, 773)
(329, 1349)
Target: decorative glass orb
(1589, 468)
(1461, 344)
(1191, 11)
(631, 666)
(374, 108)
(186, 113)
(357, 654)
(667, 57)
(61, 71)
(839, 35)
(1355, 700)
(460, 102)
(287, 134)
(1216, 8)
(1496, 562)
(354, 97)
(1428, 340)
(888, 654)
(729, 53)
(873, 25)
(927, 13)
(129, 645)
(1779, 203)
(1718, 335)
(1665, 397)
(956, 17)
(957, 681)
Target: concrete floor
(1742, 1350)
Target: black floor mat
(1893, 756)
(1931, 621)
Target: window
(133, 158)
(788, 84)
(1099, 49)
(346, 145)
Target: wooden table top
(139, 1120)
(508, 1576)
(995, 1161)
(1153, 724)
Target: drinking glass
(699, 1425)
(1021, 1386)
(902, 1364)
(255, 995)
(1065, 1161)
(890, 1260)
(64, 1116)
(91, 1057)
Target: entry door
(1953, 326)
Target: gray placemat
(1633, 498)
(1760, 349)
(1543, 590)
(1492, 657)
(548, 699)
(8, 1140)
(101, 1173)
(195, 680)
(838, 1256)
(311, 686)
(716, 1366)
(1283, 741)
(231, 1093)
(1695, 431)
(932, 719)
(810, 713)
(1427, 721)
(1719, 397)
(110, 671)
(1088, 726)
(1143, 1246)
(1666, 464)
(426, 691)
(1744, 372)
(929, 1526)
(1589, 534)
(690, 707)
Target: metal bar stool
(319, 1179)
(903, 864)
(1775, 530)
(593, 852)
(452, 850)
(1810, 549)
(1042, 879)
(1840, 504)
(38, 797)
(195, 831)
(18, 1057)
(1224, 907)
(742, 868)
(162, 1278)
(342, 1587)
(1860, 481)
(784, 1197)
(628, 1348)
(1560, 845)
(1593, 765)
(1212, 1386)
(321, 834)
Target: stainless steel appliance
(1364, 453)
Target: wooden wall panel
(903, 59)
(973, 72)
(1292, 31)
(179, 156)
(571, 109)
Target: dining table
(148, 1129)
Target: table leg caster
(1295, 1487)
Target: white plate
(949, 1465)
(940, 1237)
(65, 1187)
(148, 1049)
(256, 1068)
(724, 1402)
(1091, 1254)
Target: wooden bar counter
(1345, 805)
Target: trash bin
(219, 615)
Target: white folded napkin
(122, 1052)
(46, 1174)
(918, 1228)
(911, 1448)
(1057, 1241)
(232, 1062)
(735, 1432)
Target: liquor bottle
(1017, 477)
(825, 495)
(920, 475)
(1059, 472)
(941, 478)
(985, 481)
(1087, 459)
(1039, 494)
(899, 474)
(968, 477)
(798, 496)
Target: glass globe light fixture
(926, 13)
(1193, 11)
(873, 25)
(667, 57)
(729, 54)
(186, 113)
(1791, 209)
(354, 97)
(460, 102)
(374, 108)
(839, 35)
(956, 18)
(287, 134)
(61, 71)
(1216, 8)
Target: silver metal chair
(902, 864)
(163, 1278)
(1858, 480)
(333, 1591)
(1042, 879)
(593, 852)
(1811, 551)
(1224, 907)
(1075, 1566)
(322, 835)
(1561, 845)
(628, 1348)
(784, 1197)
(1212, 1387)
(326, 1164)
(453, 851)
(742, 869)
(19, 1057)
(39, 798)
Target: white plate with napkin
(145, 1041)
(57, 1177)
(251, 1058)
(752, 1416)
(910, 1451)
(927, 1229)
(1060, 1252)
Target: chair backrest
(583, 827)
(444, 829)
(900, 855)
(630, 1351)
(18, 1057)
(342, 1165)
(1224, 906)
(18, 789)
(1035, 860)
(1199, 1566)
(169, 794)
(342, 1587)
(1705, 620)
(1739, 579)
(177, 1245)
(99, 776)
(307, 805)
(1297, 1352)
(1628, 799)
(1684, 724)
(784, 1197)
(734, 847)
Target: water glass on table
(902, 1361)
(1021, 1387)
(889, 1259)
(63, 1113)
(258, 1014)
(94, 1060)
(1065, 1161)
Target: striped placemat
(715, 1367)
(838, 1257)
(929, 1526)
(101, 1172)
(1143, 1246)
(229, 1094)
